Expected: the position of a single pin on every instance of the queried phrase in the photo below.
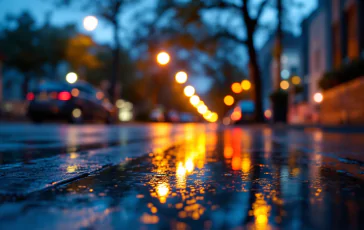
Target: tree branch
(220, 5)
(260, 11)
(233, 37)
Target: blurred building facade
(332, 36)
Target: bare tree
(110, 11)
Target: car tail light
(30, 96)
(64, 96)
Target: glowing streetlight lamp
(71, 77)
(195, 100)
(189, 91)
(213, 118)
(90, 23)
(181, 77)
(236, 87)
(296, 80)
(229, 100)
(318, 98)
(284, 85)
(202, 109)
(163, 58)
(246, 85)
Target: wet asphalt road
(179, 177)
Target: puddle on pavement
(211, 181)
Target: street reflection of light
(236, 87)
(229, 100)
(246, 163)
(228, 152)
(181, 77)
(246, 85)
(72, 168)
(261, 212)
(194, 100)
(189, 91)
(149, 219)
(284, 85)
(162, 191)
(236, 163)
(75, 92)
(76, 113)
(189, 166)
(181, 170)
(73, 155)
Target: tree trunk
(257, 90)
(279, 47)
(115, 64)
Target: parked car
(75, 103)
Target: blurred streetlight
(189, 91)
(236, 87)
(229, 100)
(181, 77)
(202, 109)
(90, 23)
(284, 85)
(163, 58)
(71, 77)
(268, 114)
(296, 80)
(246, 85)
(318, 97)
(195, 100)
(214, 117)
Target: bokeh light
(284, 85)
(268, 114)
(90, 23)
(296, 80)
(163, 58)
(236, 115)
(202, 109)
(195, 100)
(236, 87)
(189, 91)
(318, 97)
(71, 77)
(246, 85)
(181, 77)
(214, 117)
(229, 100)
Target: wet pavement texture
(198, 177)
